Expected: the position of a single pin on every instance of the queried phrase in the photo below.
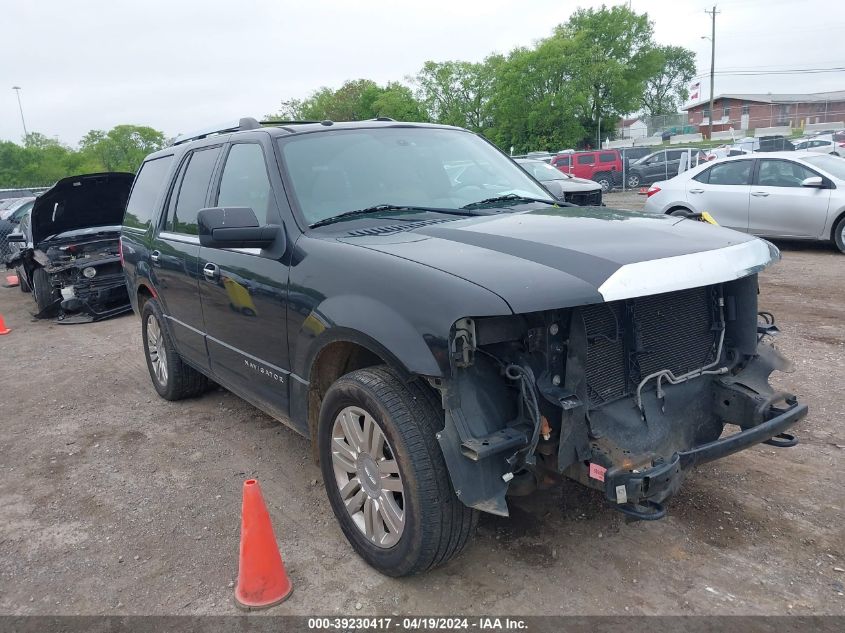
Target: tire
(633, 181)
(839, 234)
(605, 180)
(44, 293)
(172, 378)
(22, 283)
(411, 531)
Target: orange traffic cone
(262, 579)
(3, 328)
(12, 281)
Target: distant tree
(122, 148)
(355, 100)
(457, 93)
(668, 89)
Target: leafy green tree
(355, 100)
(458, 93)
(122, 148)
(666, 90)
(612, 56)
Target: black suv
(445, 333)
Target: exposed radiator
(628, 340)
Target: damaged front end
(85, 275)
(622, 396)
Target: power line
(783, 71)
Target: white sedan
(822, 145)
(774, 195)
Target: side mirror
(16, 237)
(235, 227)
(813, 181)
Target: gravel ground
(115, 501)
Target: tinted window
(588, 159)
(675, 154)
(782, 173)
(148, 183)
(562, 160)
(607, 158)
(193, 189)
(244, 182)
(733, 173)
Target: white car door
(723, 191)
(781, 206)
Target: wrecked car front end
(70, 248)
(85, 273)
(622, 396)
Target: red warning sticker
(597, 471)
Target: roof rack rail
(245, 123)
(287, 122)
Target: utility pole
(712, 62)
(17, 90)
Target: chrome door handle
(211, 271)
(154, 256)
(696, 190)
(759, 194)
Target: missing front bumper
(640, 494)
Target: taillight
(120, 250)
(653, 190)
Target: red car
(602, 166)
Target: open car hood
(80, 202)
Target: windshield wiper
(379, 208)
(511, 197)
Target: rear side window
(562, 160)
(145, 191)
(587, 159)
(609, 157)
(244, 182)
(192, 191)
(736, 172)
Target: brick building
(751, 111)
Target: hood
(80, 202)
(560, 257)
(571, 185)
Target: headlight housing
(89, 271)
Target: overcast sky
(179, 65)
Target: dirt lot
(115, 501)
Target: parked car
(9, 220)
(445, 343)
(563, 187)
(601, 166)
(67, 248)
(824, 145)
(661, 165)
(778, 195)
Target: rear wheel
(605, 181)
(385, 476)
(172, 378)
(43, 291)
(839, 234)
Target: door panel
(244, 291)
(723, 191)
(781, 207)
(174, 255)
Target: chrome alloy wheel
(156, 351)
(367, 476)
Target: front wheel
(633, 181)
(385, 476)
(839, 235)
(43, 291)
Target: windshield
(343, 170)
(833, 165)
(543, 171)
